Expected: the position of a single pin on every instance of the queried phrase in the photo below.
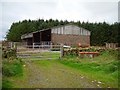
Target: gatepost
(61, 50)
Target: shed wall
(70, 29)
(71, 39)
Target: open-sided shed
(66, 34)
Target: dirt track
(51, 74)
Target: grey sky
(94, 11)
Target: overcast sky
(92, 11)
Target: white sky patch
(71, 10)
(1, 21)
(119, 11)
(57, 0)
(102, 11)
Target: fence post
(50, 46)
(61, 49)
(11, 45)
(33, 45)
(15, 46)
(42, 45)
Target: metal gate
(39, 52)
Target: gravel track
(51, 75)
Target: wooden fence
(48, 47)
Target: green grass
(11, 68)
(44, 63)
(102, 68)
(43, 56)
(49, 54)
(6, 83)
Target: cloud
(88, 11)
(13, 11)
(58, 0)
(119, 11)
(103, 11)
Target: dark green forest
(100, 32)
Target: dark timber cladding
(66, 34)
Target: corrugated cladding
(70, 29)
(30, 35)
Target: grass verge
(103, 68)
(11, 68)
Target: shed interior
(45, 35)
(28, 40)
(36, 37)
(42, 36)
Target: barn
(69, 34)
